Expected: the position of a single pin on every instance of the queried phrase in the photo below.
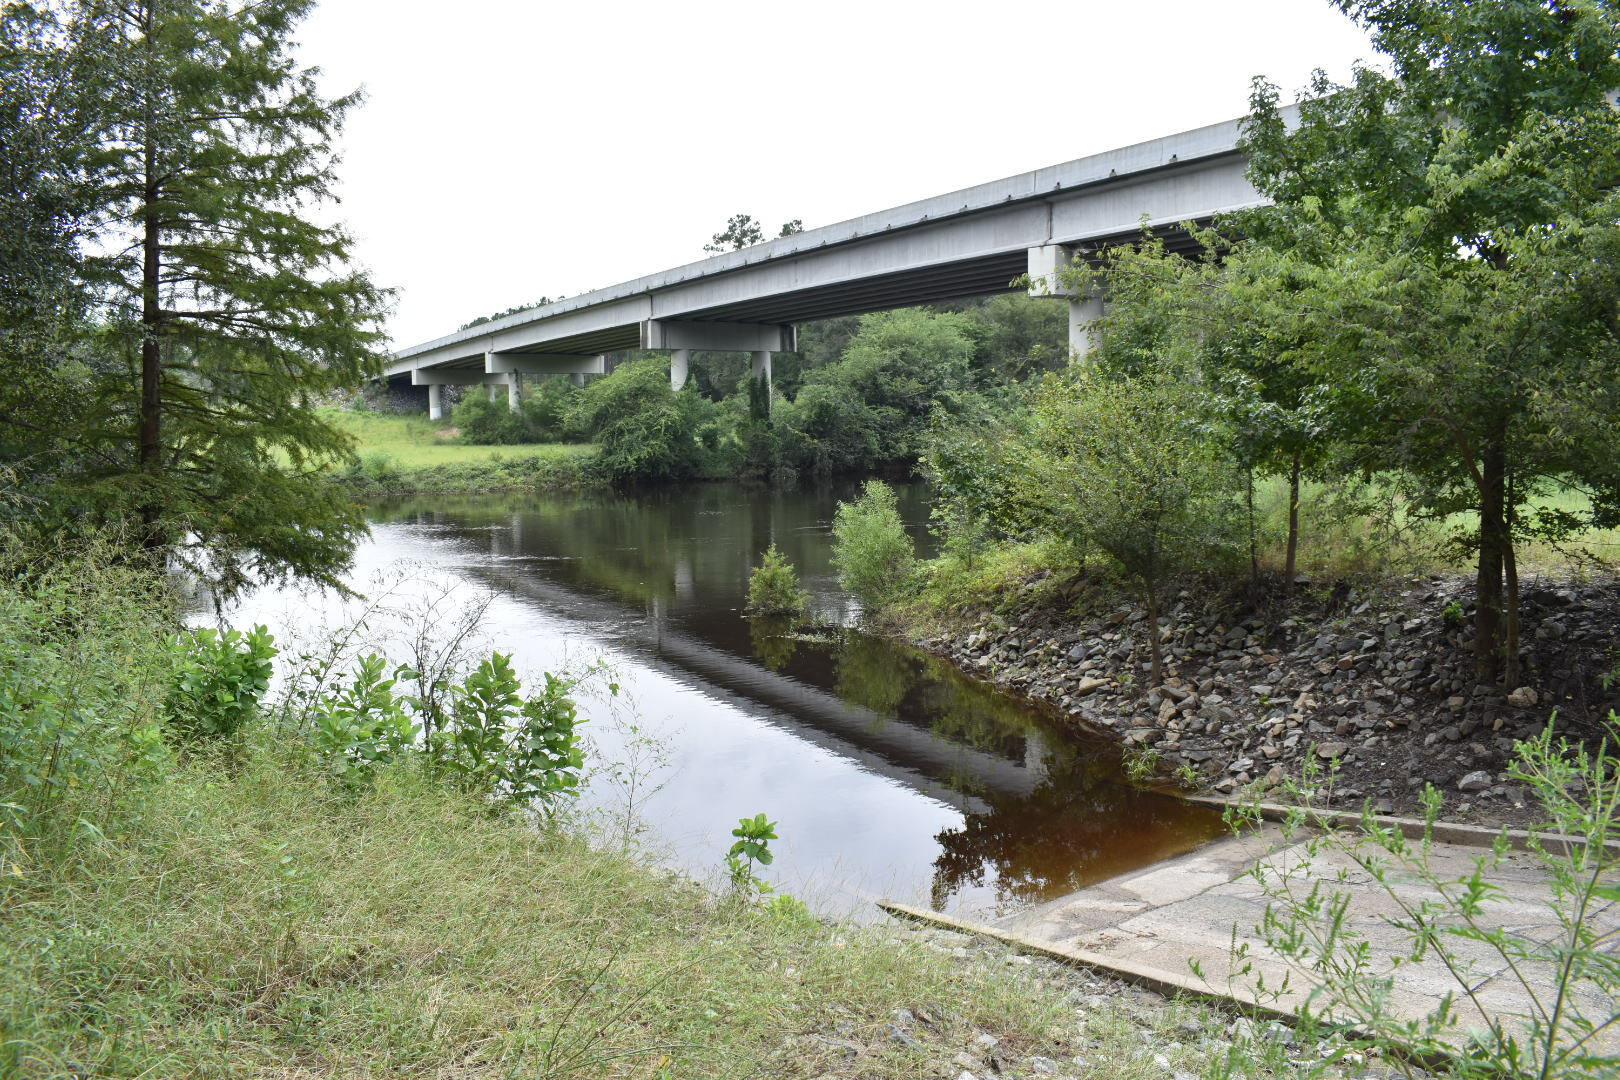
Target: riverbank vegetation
(1422, 325)
(314, 879)
(859, 396)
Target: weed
(1559, 965)
(752, 847)
(1142, 764)
(218, 680)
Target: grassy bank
(238, 905)
(253, 924)
(405, 455)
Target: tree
(646, 431)
(743, 231)
(1444, 237)
(1240, 342)
(504, 312)
(873, 405)
(875, 558)
(1126, 467)
(223, 306)
(44, 218)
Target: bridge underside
(986, 276)
(973, 242)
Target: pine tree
(225, 305)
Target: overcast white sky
(509, 151)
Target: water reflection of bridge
(929, 763)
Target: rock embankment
(1378, 678)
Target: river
(887, 771)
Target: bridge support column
(759, 386)
(680, 361)
(494, 392)
(435, 401)
(1083, 311)
(1051, 275)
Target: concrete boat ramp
(1191, 925)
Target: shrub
(872, 552)
(488, 423)
(83, 678)
(1128, 468)
(362, 727)
(379, 465)
(497, 743)
(218, 681)
(645, 430)
(773, 587)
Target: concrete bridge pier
(1083, 311)
(435, 402)
(759, 340)
(1046, 266)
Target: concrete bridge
(973, 242)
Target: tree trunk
(1150, 597)
(1510, 608)
(1293, 521)
(150, 452)
(1494, 545)
(1254, 537)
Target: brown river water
(889, 773)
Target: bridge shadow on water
(1040, 809)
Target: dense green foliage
(860, 395)
(176, 285)
(1444, 244)
(541, 415)
(645, 429)
(218, 681)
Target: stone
(1088, 685)
(1476, 781)
(1328, 750)
(1523, 698)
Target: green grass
(415, 442)
(408, 455)
(245, 921)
